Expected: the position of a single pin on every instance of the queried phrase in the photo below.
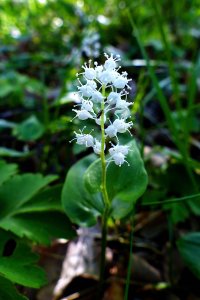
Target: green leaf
(29, 130)
(8, 291)
(37, 217)
(6, 171)
(125, 184)
(18, 190)
(40, 227)
(45, 200)
(189, 248)
(81, 207)
(19, 266)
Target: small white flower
(113, 98)
(89, 73)
(118, 158)
(121, 81)
(85, 90)
(111, 131)
(97, 147)
(106, 77)
(97, 97)
(98, 69)
(92, 84)
(121, 126)
(87, 105)
(122, 104)
(118, 154)
(83, 114)
(119, 149)
(110, 63)
(122, 109)
(84, 139)
(124, 113)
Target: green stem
(104, 194)
(102, 155)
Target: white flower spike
(103, 92)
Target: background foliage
(42, 46)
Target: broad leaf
(45, 200)
(39, 218)
(189, 248)
(40, 227)
(18, 190)
(81, 207)
(19, 265)
(125, 184)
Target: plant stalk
(104, 194)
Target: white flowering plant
(104, 91)
(110, 185)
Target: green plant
(28, 206)
(104, 187)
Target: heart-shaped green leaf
(125, 184)
(81, 207)
(28, 211)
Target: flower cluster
(103, 91)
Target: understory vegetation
(135, 207)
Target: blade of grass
(170, 201)
(164, 104)
(191, 98)
(159, 18)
